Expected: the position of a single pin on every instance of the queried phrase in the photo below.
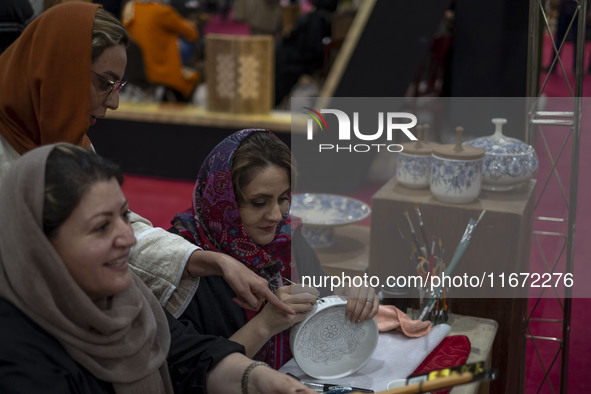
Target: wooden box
(240, 72)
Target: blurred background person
(261, 16)
(113, 6)
(156, 27)
(300, 51)
(15, 15)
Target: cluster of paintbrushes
(428, 259)
(434, 302)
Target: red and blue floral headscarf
(214, 223)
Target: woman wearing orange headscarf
(57, 78)
(44, 78)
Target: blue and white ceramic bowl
(456, 181)
(321, 213)
(507, 161)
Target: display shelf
(500, 243)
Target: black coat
(33, 361)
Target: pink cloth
(391, 318)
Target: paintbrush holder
(440, 312)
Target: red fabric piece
(451, 352)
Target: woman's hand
(227, 377)
(265, 380)
(362, 303)
(272, 320)
(251, 290)
(298, 297)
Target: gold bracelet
(247, 371)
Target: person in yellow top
(156, 28)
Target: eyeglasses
(107, 87)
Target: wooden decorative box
(240, 72)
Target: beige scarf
(123, 340)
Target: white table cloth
(396, 356)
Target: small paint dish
(396, 384)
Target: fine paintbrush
(409, 248)
(414, 236)
(432, 259)
(324, 387)
(421, 224)
(440, 250)
(291, 282)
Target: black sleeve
(15, 15)
(32, 361)
(306, 260)
(192, 355)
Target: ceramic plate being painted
(326, 345)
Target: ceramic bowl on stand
(327, 345)
(508, 162)
(456, 172)
(321, 213)
(413, 163)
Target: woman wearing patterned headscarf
(241, 207)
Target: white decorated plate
(327, 345)
(330, 210)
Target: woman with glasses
(63, 72)
(58, 77)
(75, 319)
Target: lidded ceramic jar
(507, 161)
(413, 163)
(456, 172)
